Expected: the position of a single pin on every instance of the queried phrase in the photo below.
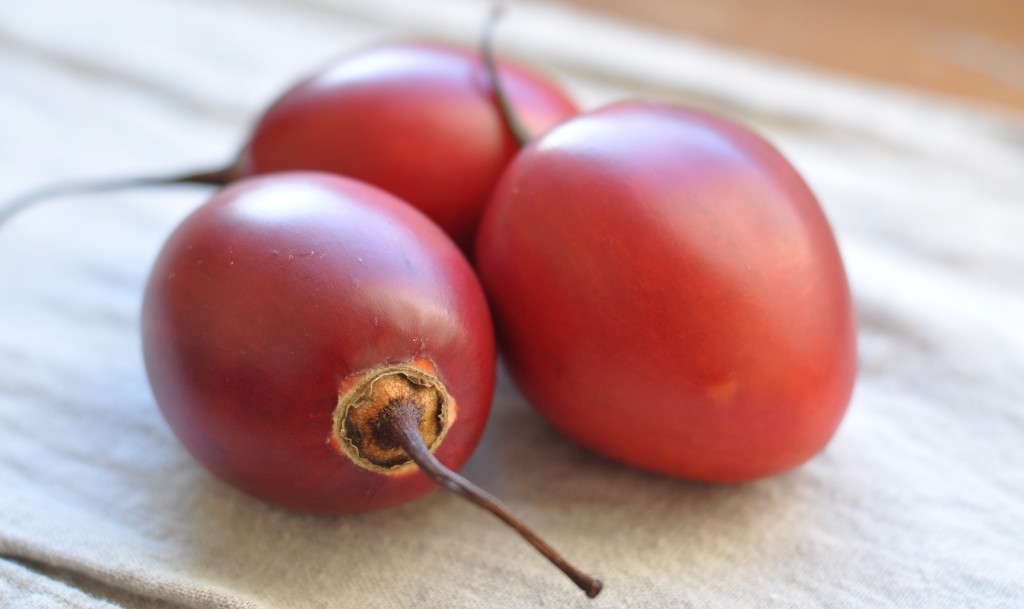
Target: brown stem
(515, 125)
(216, 177)
(404, 419)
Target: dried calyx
(363, 419)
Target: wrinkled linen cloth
(917, 502)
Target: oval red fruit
(668, 293)
(419, 120)
(287, 299)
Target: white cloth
(918, 501)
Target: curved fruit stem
(216, 177)
(515, 125)
(404, 419)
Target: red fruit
(318, 343)
(419, 120)
(669, 294)
(281, 296)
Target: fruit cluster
(666, 289)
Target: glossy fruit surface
(419, 120)
(669, 294)
(275, 298)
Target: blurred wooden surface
(964, 48)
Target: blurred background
(966, 48)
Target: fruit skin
(271, 296)
(668, 293)
(419, 120)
